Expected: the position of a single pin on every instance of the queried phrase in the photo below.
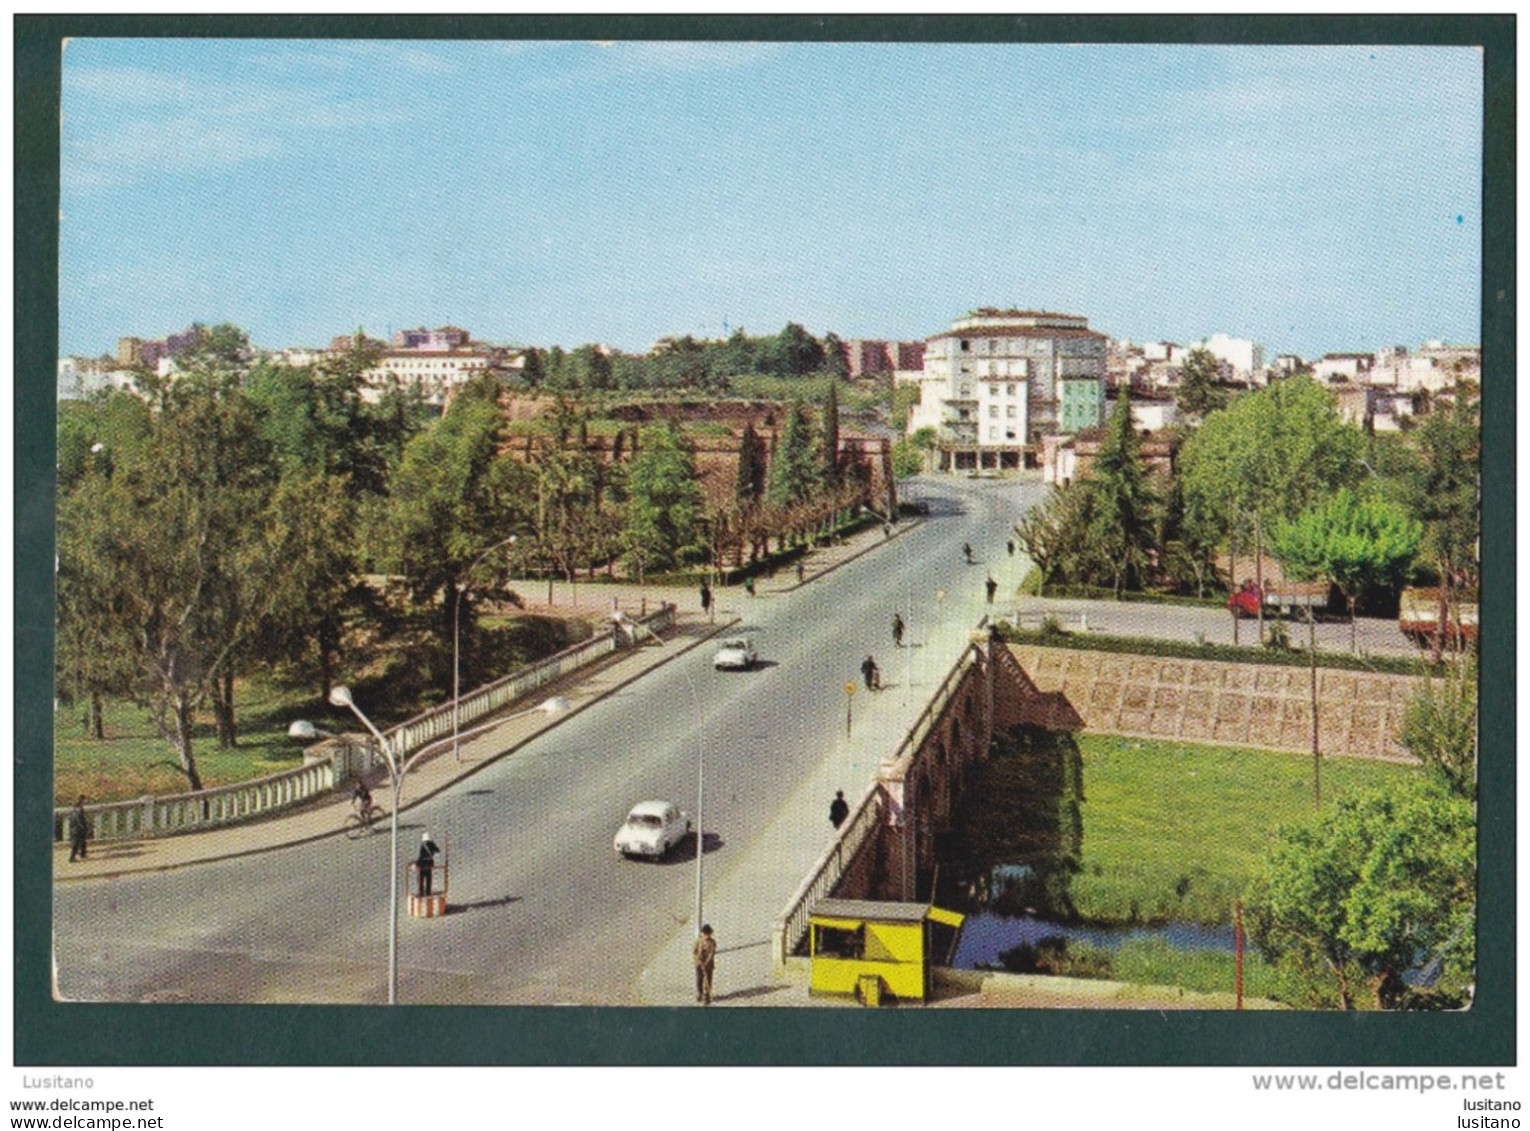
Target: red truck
(1279, 598)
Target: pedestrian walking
(706, 596)
(897, 631)
(992, 586)
(704, 958)
(1010, 546)
(425, 862)
(839, 809)
(872, 674)
(800, 572)
(79, 831)
(749, 586)
(967, 551)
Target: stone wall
(1258, 705)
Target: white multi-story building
(998, 380)
(1245, 357)
(434, 373)
(1343, 366)
(81, 377)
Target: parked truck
(1280, 598)
(1418, 615)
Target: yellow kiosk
(870, 949)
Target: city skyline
(1316, 199)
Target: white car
(652, 829)
(737, 654)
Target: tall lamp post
(622, 620)
(456, 644)
(341, 697)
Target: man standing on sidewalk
(79, 831)
(839, 809)
(992, 586)
(704, 958)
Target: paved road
(1373, 636)
(544, 912)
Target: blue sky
(1314, 199)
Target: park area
(397, 675)
(1104, 856)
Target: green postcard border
(49, 1033)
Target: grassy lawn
(409, 673)
(1174, 830)
(1126, 830)
(1119, 831)
(131, 761)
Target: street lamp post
(626, 622)
(456, 644)
(341, 697)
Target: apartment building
(998, 380)
(871, 357)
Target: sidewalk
(326, 817)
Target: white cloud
(123, 123)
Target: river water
(987, 934)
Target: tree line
(225, 521)
(1370, 902)
(686, 363)
(1274, 471)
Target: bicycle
(359, 822)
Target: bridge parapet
(331, 763)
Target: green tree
(829, 438)
(455, 493)
(794, 466)
(737, 355)
(749, 484)
(1200, 390)
(907, 458)
(904, 398)
(532, 372)
(1440, 484)
(792, 352)
(1440, 728)
(664, 500)
(1267, 457)
(1355, 543)
(1122, 526)
(1368, 888)
(176, 547)
(1055, 536)
(835, 362)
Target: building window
(966, 345)
(993, 432)
(1009, 390)
(993, 411)
(1009, 411)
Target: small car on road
(652, 829)
(735, 654)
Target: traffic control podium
(873, 950)
(433, 905)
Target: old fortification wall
(1259, 705)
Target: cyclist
(361, 799)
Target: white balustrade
(229, 804)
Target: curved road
(543, 911)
